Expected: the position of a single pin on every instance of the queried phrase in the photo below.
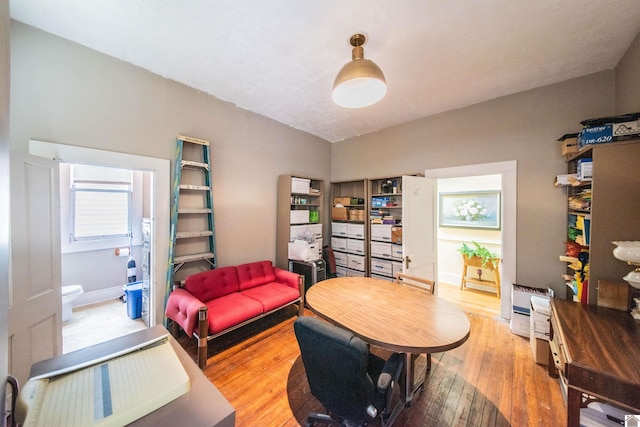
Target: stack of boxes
(530, 318)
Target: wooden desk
(598, 352)
(202, 405)
(391, 316)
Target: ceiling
(279, 58)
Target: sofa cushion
(272, 295)
(212, 284)
(255, 274)
(230, 310)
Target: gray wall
(65, 93)
(522, 127)
(628, 80)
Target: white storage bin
(300, 185)
(341, 258)
(379, 266)
(382, 250)
(396, 267)
(339, 229)
(304, 251)
(338, 244)
(341, 271)
(381, 232)
(396, 251)
(355, 231)
(355, 273)
(355, 246)
(299, 217)
(355, 262)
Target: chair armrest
(390, 372)
(183, 308)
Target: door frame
(508, 171)
(160, 203)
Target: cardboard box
(300, 185)
(595, 135)
(299, 216)
(519, 324)
(304, 251)
(339, 214)
(344, 201)
(540, 350)
(539, 319)
(585, 169)
(569, 146)
(396, 234)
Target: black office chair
(354, 385)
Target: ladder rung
(193, 140)
(194, 210)
(195, 164)
(194, 187)
(192, 257)
(188, 234)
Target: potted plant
(479, 256)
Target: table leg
(574, 398)
(408, 378)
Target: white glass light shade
(630, 253)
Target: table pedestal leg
(408, 380)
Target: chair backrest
(419, 282)
(336, 364)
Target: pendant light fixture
(359, 83)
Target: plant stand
(476, 263)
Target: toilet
(69, 293)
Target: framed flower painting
(476, 209)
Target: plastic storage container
(133, 293)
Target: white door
(419, 229)
(35, 305)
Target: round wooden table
(392, 316)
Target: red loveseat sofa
(217, 301)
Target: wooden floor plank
(491, 380)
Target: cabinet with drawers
(348, 231)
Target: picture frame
(472, 209)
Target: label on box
(596, 135)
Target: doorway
(159, 200)
(506, 173)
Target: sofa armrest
(183, 308)
(286, 277)
(293, 280)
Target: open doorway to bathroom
(154, 178)
(103, 214)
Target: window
(100, 202)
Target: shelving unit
(349, 233)
(300, 214)
(385, 227)
(613, 211)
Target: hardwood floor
(491, 380)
